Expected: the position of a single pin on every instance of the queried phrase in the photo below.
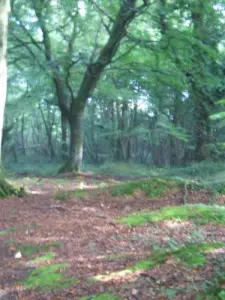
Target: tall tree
(4, 11)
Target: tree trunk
(22, 135)
(6, 189)
(64, 146)
(4, 10)
(202, 130)
(76, 142)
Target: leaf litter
(91, 243)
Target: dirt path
(91, 242)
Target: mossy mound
(7, 189)
(199, 214)
(153, 188)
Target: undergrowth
(151, 187)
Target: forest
(112, 149)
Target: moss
(48, 278)
(199, 214)
(215, 289)
(7, 189)
(191, 256)
(151, 187)
(31, 249)
(63, 196)
(104, 296)
(46, 257)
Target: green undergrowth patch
(41, 259)
(191, 255)
(151, 187)
(48, 278)
(104, 296)
(68, 195)
(198, 213)
(63, 196)
(7, 189)
(31, 249)
(213, 290)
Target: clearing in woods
(96, 238)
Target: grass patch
(3, 232)
(199, 214)
(46, 257)
(31, 249)
(48, 278)
(104, 296)
(80, 193)
(63, 196)
(191, 255)
(151, 187)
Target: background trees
(161, 78)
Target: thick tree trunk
(76, 142)
(6, 189)
(4, 10)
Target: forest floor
(109, 240)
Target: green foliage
(48, 278)
(151, 187)
(199, 214)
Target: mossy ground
(104, 296)
(199, 214)
(151, 187)
(48, 278)
(29, 250)
(214, 290)
(41, 259)
(94, 245)
(192, 256)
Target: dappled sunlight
(176, 224)
(123, 275)
(217, 251)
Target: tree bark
(64, 145)
(6, 189)
(4, 10)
